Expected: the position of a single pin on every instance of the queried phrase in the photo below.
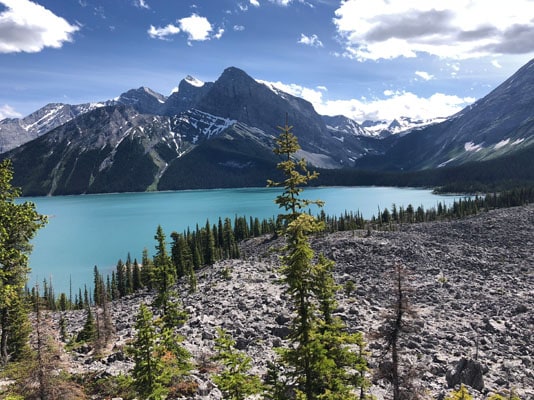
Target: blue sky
(366, 59)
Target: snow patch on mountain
(443, 164)
(502, 143)
(194, 81)
(398, 126)
(51, 113)
(209, 125)
(470, 146)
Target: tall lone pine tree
(319, 362)
(18, 225)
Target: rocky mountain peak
(143, 99)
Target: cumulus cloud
(312, 40)
(6, 111)
(197, 28)
(456, 29)
(163, 33)
(255, 3)
(239, 28)
(29, 27)
(395, 104)
(424, 75)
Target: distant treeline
(501, 174)
(203, 246)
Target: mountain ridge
(145, 100)
(221, 134)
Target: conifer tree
(147, 273)
(63, 302)
(164, 272)
(120, 275)
(19, 328)
(159, 358)
(88, 332)
(209, 245)
(18, 225)
(147, 352)
(128, 283)
(235, 381)
(137, 283)
(318, 362)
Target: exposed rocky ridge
(17, 131)
(470, 279)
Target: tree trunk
(3, 339)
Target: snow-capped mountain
(221, 134)
(398, 126)
(499, 124)
(17, 131)
(152, 141)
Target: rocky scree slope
(471, 281)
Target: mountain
(185, 96)
(221, 134)
(144, 100)
(499, 124)
(15, 131)
(218, 134)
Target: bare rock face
(468, 372)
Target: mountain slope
(238, 96)
(113, 148)
(17, 131)
(500, 123)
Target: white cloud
(163, 33)
(239, 28)
(219, 33)
(29, 27)
(198, 28)
(456, 29)
(255, 3)
(312, 40)
(424, 75)
(6, 111)
(141, 4)
(496, 64)
(395, 104)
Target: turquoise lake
(88, 230)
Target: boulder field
(470, 287)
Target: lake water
(84, 231)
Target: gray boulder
(468, 372)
